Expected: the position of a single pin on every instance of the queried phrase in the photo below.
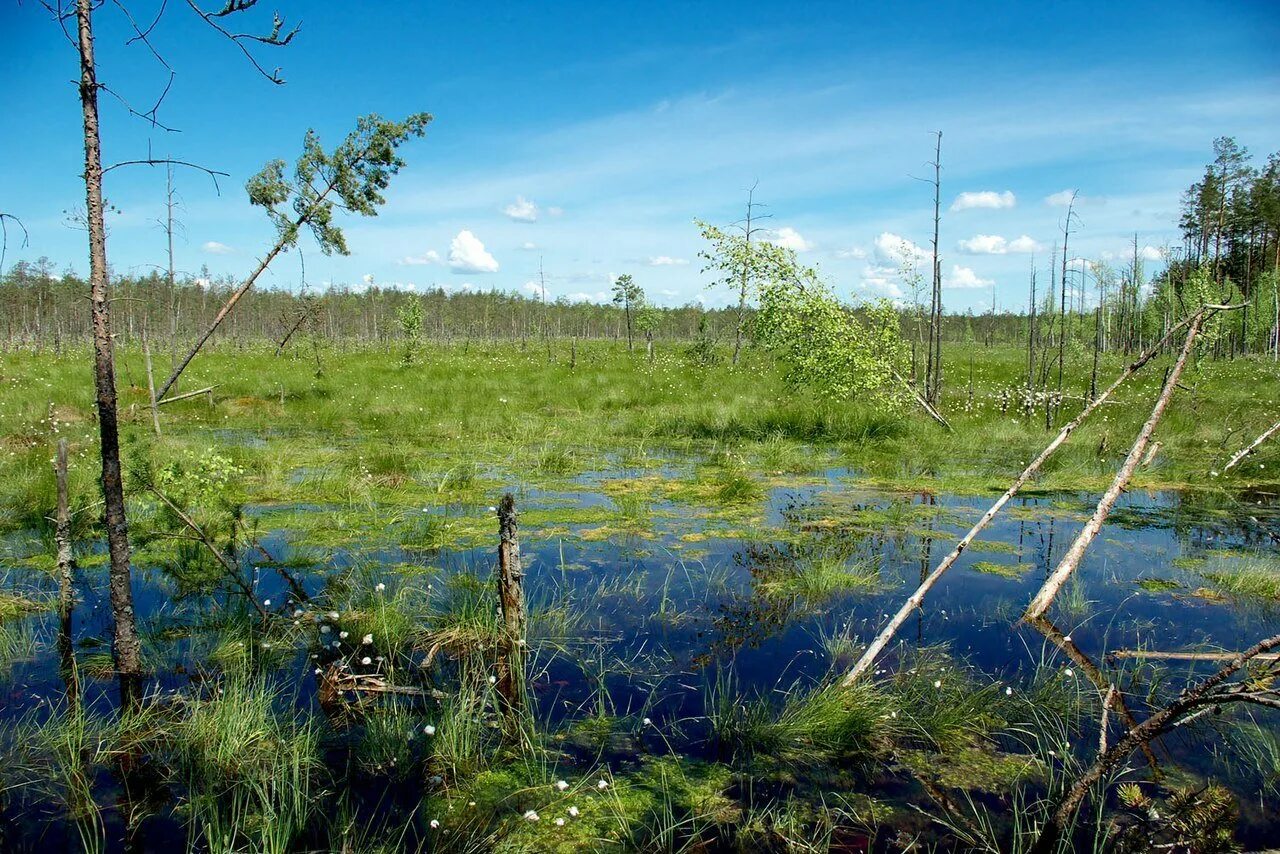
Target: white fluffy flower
(602, 784)
(530, 816)
(434, 824)
(573, 811)
(368, 639)
(429, 729)
(366, 660)
(561, 785)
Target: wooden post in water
(66, 568)
(510, 682)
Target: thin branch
(151, 161)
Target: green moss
(16, 604)
(1157, 585)
(974, 768)
(1004, 570)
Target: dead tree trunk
(510, 684)
(1072, 558)
(126, 647)
(933, 380)
(914, 601)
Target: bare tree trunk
(914, 601)
(1205, 695)
(126, 647)
(510, 683)
(219, 317)
(933, 383)
(1072, 558)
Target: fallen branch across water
(917, 598)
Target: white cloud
(1060, 199)
(213, 247)
(367, 278)
(522, 210)
(528, 246)
(984, 199)
(994, 244)
(788, 238)
(534, 288)
(1025, 244)
(1151, 253)
(667, 261)
(582, 296)
(881, 281)
(553, 211)
(431, 256)
(856, 252)
(468, 255)
(894, 249)
(964, 277)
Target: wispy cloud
(431, 256)
(994, 244)
(522, 210)
(213, 247)
(667, 261)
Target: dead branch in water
(1214, 692)
(1186, 656)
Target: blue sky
(590, 135)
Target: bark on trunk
(125, 645)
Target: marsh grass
(1252, 579)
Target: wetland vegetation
(374, 569)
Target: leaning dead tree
(916, 599)
(351, 178)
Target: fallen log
(1044, 598)
(185, 395)
(1186, 656)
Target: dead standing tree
(126, 647)
(933, 370)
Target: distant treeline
(1230, 252)
(42, 311)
